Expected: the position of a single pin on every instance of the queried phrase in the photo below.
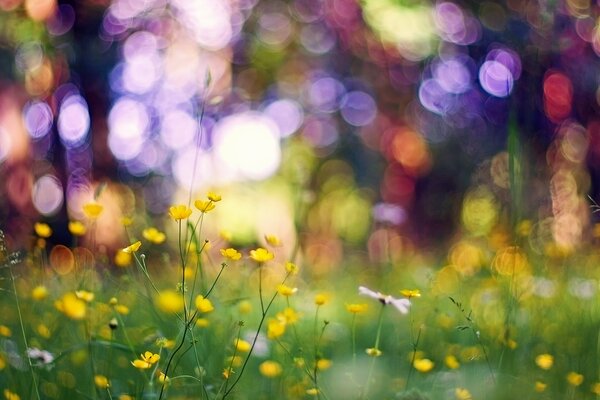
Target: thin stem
(377, 338)
(33, 378)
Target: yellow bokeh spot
(511, 261)
(466, 258)
(71, 306)
(169, 301)
(270, 369)
(446, 281)
(479, 211)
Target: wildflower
(8, 395)
(204, 305)
(261, 255)
(123, 259)
(126, 221)
(164, 342)
(43, 331)
(132, 248)
(225, 235)
(113, 301)
(42, 357)
(92, 210)
(544, 361)
(169, 301)
(214, 197)
(312, 391)
(356, 308)
(373, 352)
(101, 381)
(286, 290)
(321, 299)
(84, 295)
(270, 369)
(72, 306)
(231, 254)
(288, 316)
(227, 373)
(122, 309)
(242, 346)
(462, 394)
(77, 228)
(234, 361)
(540, 386)
(146, 360)
(401, 304)
(275, 329)
(162, 378)
(180, 211)
(204, 206)
(451, 362)
(423, 365)
(245, 307)
(154, 235)
(323, 364)
(291, 268)
(273, 240)
(410, 293)
(596, 388)
(43, 230)
(39, 293)
(574, 378)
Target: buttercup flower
(180, 211)
(169, 301)
(462, 394)
(270, 369)
(540, 386)
(8, 395)
(39, 292)
(321, 299)
(544, 361)
(204, 305)
(451, 362)
(153, 235)
(291, 268)
(423, 365)
(410, 293)
(132, 248)
(286, 290)
(72, 306)
(242, 346)
(146, 360)
(43, 230)
(92, 210)
(77, 228)
(373, 352)
(261, 255)
(101, 381)
(231, 254)
(273, 240)
(84, 295)
(214, 197)
(574, 378)
(204, 206)
(401, 305)
(357, 308)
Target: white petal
(402, 305)
(368, 292)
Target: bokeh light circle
(38, 119)
(47, 195)
(495, 78)
(73, 121)
(358, 108)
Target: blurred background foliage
(355, 119)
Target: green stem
(377, 338)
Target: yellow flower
(242, 346)
(204, 305)
(84, 295)
(42, 230)
(214, 197)
(462, 394)
(312, 391)
(540, 386)
(150, 357)
(574, 378)
(132, 248)
(245, 307)
(122, 309)
(141, 364)
(204, 206)
(261, 255)
(423, 365)
(356, 308)
(596, 388)
(153, 235)
(270, 369)
(288, 316)
(123, 259)
(8, 395)
(323, 364)
(544, 361)
(410, 293)
(275, 329)
(77, 228)
(126, 221)
(71, 306)
(164, 342)
(231, 254)
(5, 331)
(39, 293)
(101, 381)
(43, 331)
(169, 301)
(180, 211)
(162, 378)
(202, 322)
(225, 235)
(321, 299)
(285, 290)
(451, 362)
(92, 210)
(125, 397)
(373, 352)
(291, 268)
(273, 240)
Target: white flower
(43, 357)
(401, 304)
